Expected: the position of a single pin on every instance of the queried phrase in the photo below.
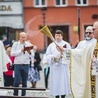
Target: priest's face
(95, 29)
(58, 37)
(89, 34)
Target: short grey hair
(89, 28)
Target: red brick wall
(59, 16)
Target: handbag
(12, 67)
(39, 68)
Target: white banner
(7, 8)
(11, 21)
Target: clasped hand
(55, 59)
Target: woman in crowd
(34, 74)
(8, 75)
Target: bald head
(23, 33)
(23, 37)
(95, 29)
(95, 24)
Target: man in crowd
(6, 42)
(21, 61)
(84, 84)
(59, 69)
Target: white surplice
(59, 71)
(85, 43)
(80, 67)
(3, 62)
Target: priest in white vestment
(59, 69)
(89, 38)
(80, 68)
(3, 62)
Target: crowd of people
(69, 71)
(26, 61)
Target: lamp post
(79, 23)
(43, 9)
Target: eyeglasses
(88, 32)
(93, 29)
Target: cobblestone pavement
(31, 93)
(40, 84)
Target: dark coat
(38, 60)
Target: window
(60, 2)
(57, 2)
(10, 0)
(43, 2)
(81, 2)
(40, 3)
(37, 2)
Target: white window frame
(82, 4)
(61, 4)
(11, 1)
(40, 3)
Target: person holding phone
(21, 62)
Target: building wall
(11, 19)
(59, 16)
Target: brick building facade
(71, 16)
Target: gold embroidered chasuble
(80, 71)
(93, 77)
